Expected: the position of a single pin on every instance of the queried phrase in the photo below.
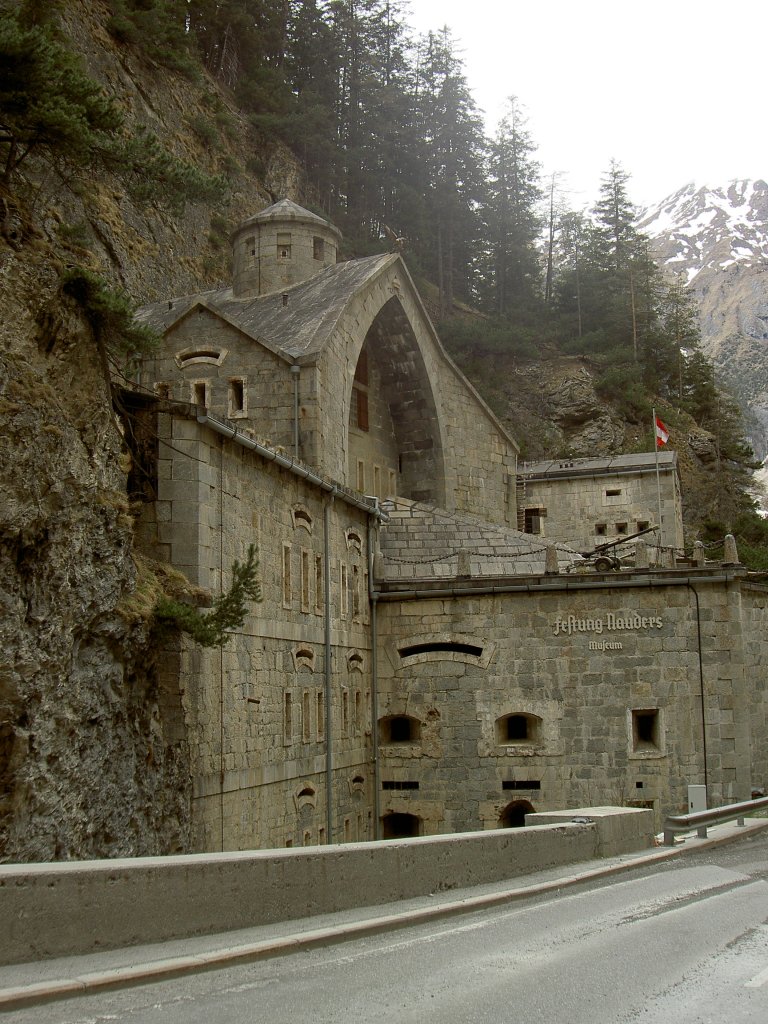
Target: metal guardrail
(701, 819)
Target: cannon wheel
(604, 564)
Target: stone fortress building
(432, 654)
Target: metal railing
(701, 819)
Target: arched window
(399, 729)
(513, 815)
(400, 826)
(518, 727)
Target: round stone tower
(279, 247)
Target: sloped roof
(424, 542)
(287, 210)
(300, 328)
(564, 469)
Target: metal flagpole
(658, 479)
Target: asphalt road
(683, 942)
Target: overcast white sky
(675, 90)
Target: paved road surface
(683, 942)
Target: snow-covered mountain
(718, 239)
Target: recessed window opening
(283, 246)
(645, 729)
(397, 784)
(307, 792)
(513, 815)
(306, 722)
(302, 518)
(440, 646)
(517, 728)
(400, 826)
(200, 355)
(305, 577)
(400, 729)
(199, 393)
(318, 248)
(319, 588)
(532, 520)
(601, 529)
(250, 245)
(344, 711)
(642, 524)
(287, 596)
(621, 528)
(613, 492)
(163, 389)
(521, 784)
(354, 540)
(236, 396)
(287, 717)
(320, 701)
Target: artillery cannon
(600, 557)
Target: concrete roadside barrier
(62, 909)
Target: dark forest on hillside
(396, 153)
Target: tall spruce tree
(512, 218)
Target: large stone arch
(393, 392)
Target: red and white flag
(662, 434)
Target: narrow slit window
(320, 703)
(319, 588)
(236, 400)
(305, 577)
(306, 721)
(287, 595)
(288, 717)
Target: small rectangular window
(358, 712)
(533, 517)
(347, 831)
(283, 246)
(361, 475)
(250, 245)
(361, 405)
(614, 492)
(355, 592)
(236, 398)
(377, 481)
(646, 729)
(601, 529)
(621, 528)
(199, 393)
(642, 524)
(392, 483)
(318, 248)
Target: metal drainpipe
(701, 691)
(373, 602)
(295, 371)
(328, 675)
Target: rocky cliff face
(718, 239)
(93, 760)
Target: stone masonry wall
(576, 506)
(255, 710)
(581, 685)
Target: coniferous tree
(453, 146)
(512, 216)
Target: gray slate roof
(424, 542)
(602, 466)
(299, 329)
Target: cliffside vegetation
(133, 135)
